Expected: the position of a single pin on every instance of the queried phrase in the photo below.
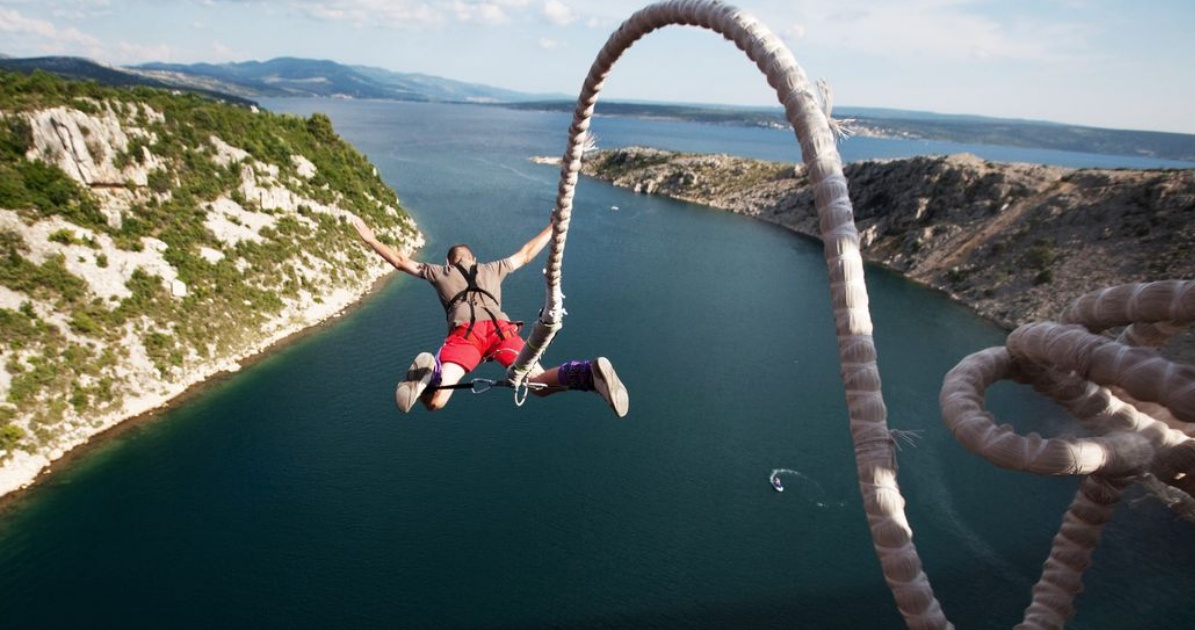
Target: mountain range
(278, 78)
(243, 82)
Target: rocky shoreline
(23, 469)
(1015, 242)
(103, 327)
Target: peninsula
(153, 240)
(1015, 242)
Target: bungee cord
(1139, 406)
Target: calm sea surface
(294, 495)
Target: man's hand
(363, 230)
(390, 254)
(532, 248)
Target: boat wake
(519, 173)
(805, 486)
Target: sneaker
(419, 376)
(609, 387)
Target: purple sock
(576, 375)
(436, 373)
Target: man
(478, 330)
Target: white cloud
(13, 22)
(407, 14)
(137, 53)
(401, 14)
(793, 33)
(481, 12)
(935, 28)
(559, 13)
(79, 9)
(548, 43)
(222, 53)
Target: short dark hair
(458, 252)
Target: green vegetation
(619, 163)
(713, 175)
(35, 188)
(1040, 257)
(55, 368)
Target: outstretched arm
(392, 256)
(531, 248)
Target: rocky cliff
(1017, 242)
(148, 246)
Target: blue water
(294, 495)
(780, 145)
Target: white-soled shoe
(418, 377)
(607, 384)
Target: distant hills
(913, 125)
(284, 77)
(290, 77)
(81, 69)
(277, 78)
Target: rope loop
(520, 392)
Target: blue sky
(1102, 63)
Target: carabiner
(481, 385)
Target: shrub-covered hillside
(149, 239)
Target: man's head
(460, 253)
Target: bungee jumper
(478, 330)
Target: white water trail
(507, 167)
(808, 488)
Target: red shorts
(483, 342)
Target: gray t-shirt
(449, 282)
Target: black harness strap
(482, 385)
(470, 275)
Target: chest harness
(472, 289)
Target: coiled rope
(1141, 404)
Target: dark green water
(295, 496)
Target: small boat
(613, 207)
(776, 484)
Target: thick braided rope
(1054, 594)
(1140, 372)
(1139, 405)
(874, 457)
(1164, 304)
